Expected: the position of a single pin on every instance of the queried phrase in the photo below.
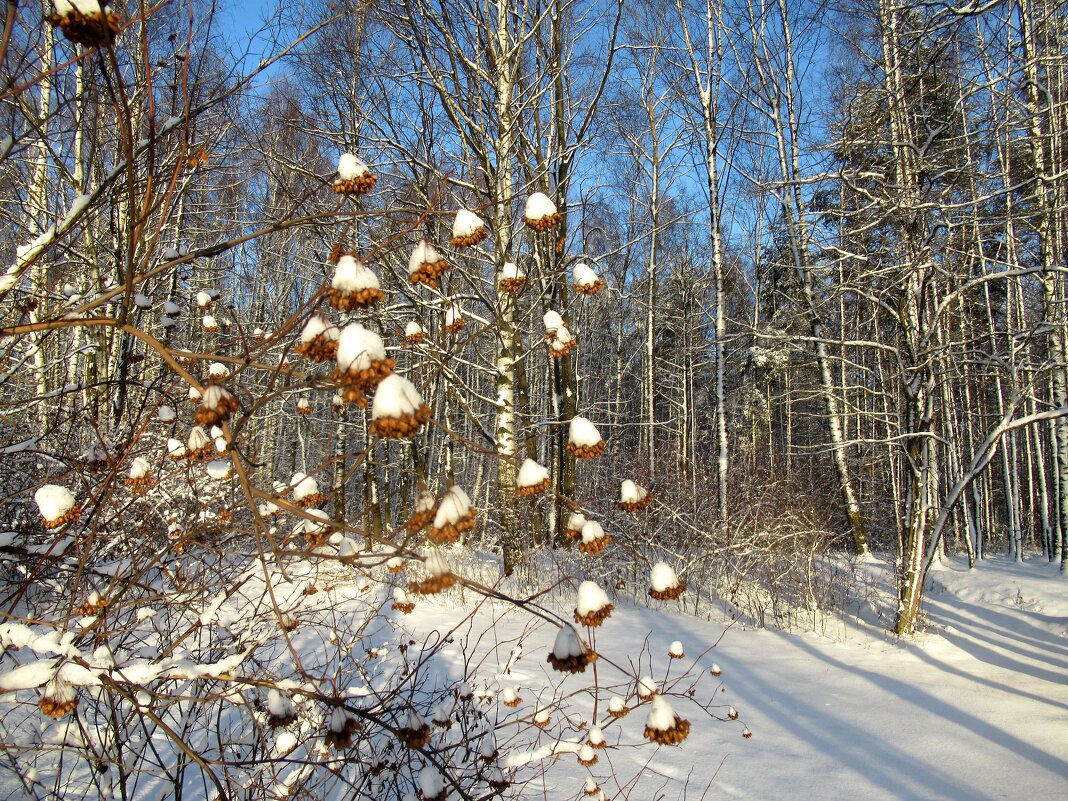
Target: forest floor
(976, 707)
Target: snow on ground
(975, 708)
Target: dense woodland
(800, 267)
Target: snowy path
(976, 709)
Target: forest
(322, 317)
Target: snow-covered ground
(975, 708)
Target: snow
(647, 687)
(358, 347)
(582, 432)
(284, 743)
(209, 322)
(395, 396)
(422, 253)
(279, 705)
(453, 507)
(552, 321)
(971, 710)
(596, 736)
(53, 501)
(350, 167)
(303, 486)
(539, 206)
(142, 301)
(576, 521)
(215, 395)
(431, 784)
(194, 394)
(592, 531)
(466, 223)
(175, 448)
(413, 329)
(676, 649)
(218, 469)
(511, 272)
(28, 676)
(165, 414)
(218, 371)
(591, 598)
(629, 492)
(318, 325)
(531, 474)
(351, 275)
(204, 299)
(453, 315)
(139, 468)
(87, 7)
(662, 577)
(436, 564)
(583, 275)
(661, 715)
(562, 338)
(568, 643)
(171, 308)
(198, 438)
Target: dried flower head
(216, 406)
(533, 478)
(570, 654)
(59, 698)
(663, 726)
(398, 409)
(633, 497)
(594, 538)
(511, 278)
(453, 517)
(353, 176)
(664, 584)
(468, 229)
(584, 440)
(353, 286)
(586, 281)
(318, 339)
(426, 265)
(540, 212)
(592, 607)
(439, 576)
(86, 22)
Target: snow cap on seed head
(396, 396)
(531, 474)
(663, 577)
(358, 347)
(539, 206)
(591, 598)
(349, 167)
(53, 501)
(316, 326)
(553, 321)
(584, 275)
(582, 432)
(466, 223)
(454, 506)
(352, 275)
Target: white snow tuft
(582, 432)
(358, 347)
(591, 598)
(53, 501)
(539, 206)
(662, 577)
(531, 474)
